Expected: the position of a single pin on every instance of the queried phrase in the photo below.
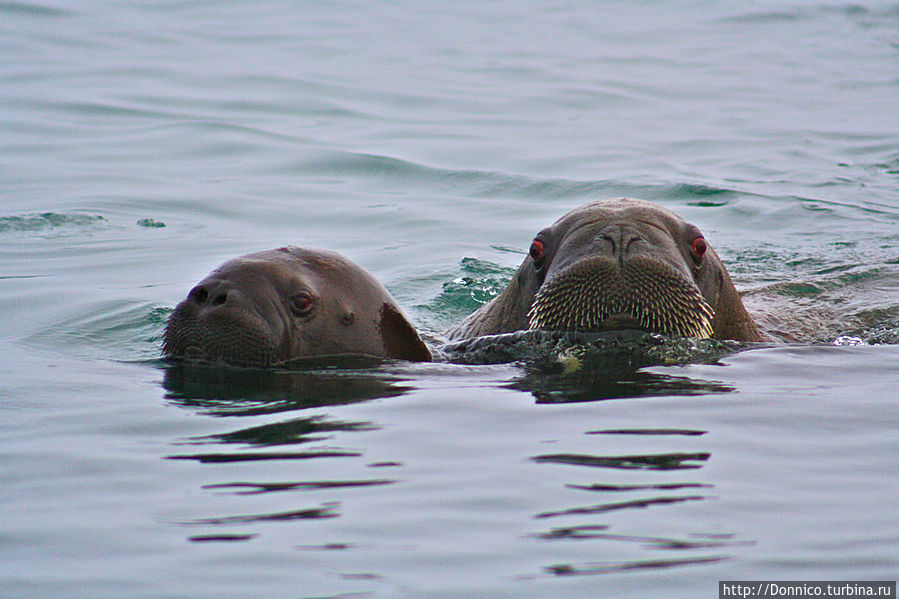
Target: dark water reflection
(257, 488)
(664, 494)
(631, 494)
(251, 393)
(665, 461)
(599, 383)
(225, 391)
(248, 393)
(568, 367)
(289, 432)
(597, 374)
(325, 511)
(615, 567)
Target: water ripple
(289, 432)
(32, 9)
(244, 488)
(621, 505)
(327, 510)
(590, 569)
(220, 458)
(664, 461)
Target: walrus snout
(214, 294)
(201, 294)
(215, 322)
(620, 241)
(210, 330)
(610, 292)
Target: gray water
(143, 143)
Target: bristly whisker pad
(586, 295)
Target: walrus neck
(731, 320)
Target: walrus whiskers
(586, 295)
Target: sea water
(143, 143)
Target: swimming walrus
(618, 264)
(273, 306)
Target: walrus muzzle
(217, 338)
(597, 294)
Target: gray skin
(277, 305)
(616, 235)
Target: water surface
(141, 144)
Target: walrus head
(277, 305)
(618, 264)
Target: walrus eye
(301, 304)
(698, 248)
(537, 250)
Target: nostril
(199, 295)
(220, 299)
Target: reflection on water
(667, 461)
(289, 432)
(256, 488)
(568, 367)
(623, 488)
(668, 495)
(597, 531)
(220, 538)
(221, 458)
(620, 505)
(325, 511)
(600, 383)
(252, 393)
(609, 367)
(615, 567)
(649, 431)
(227, 391)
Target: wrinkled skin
(277, 305)
(618, 264)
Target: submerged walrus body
(274, 306)
(618, 264)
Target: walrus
(618, 264)
(273, 306)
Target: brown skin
(273, 306)
(612, 233)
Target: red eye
(301, 304)
(537, 250)
(699, 247)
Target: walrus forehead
(259, 266)
(269, 281)
(313, 259)
(308, 269)
(656, 222)
(624, 207)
